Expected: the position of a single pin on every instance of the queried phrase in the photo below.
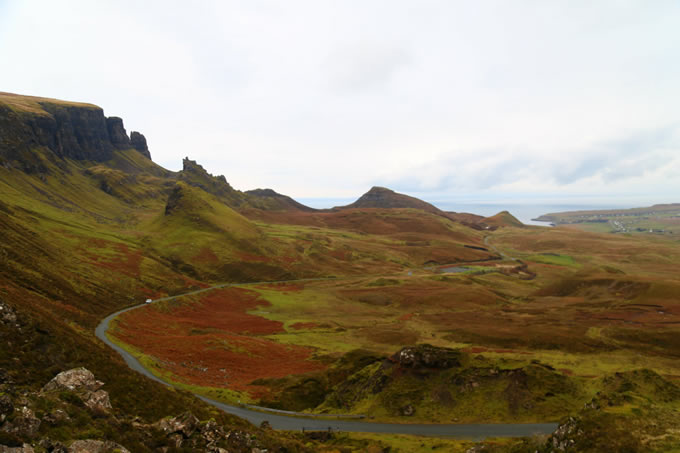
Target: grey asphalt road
(293, 423)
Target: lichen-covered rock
(98, 401)
(56, 417)
(83, 383)
(52, 446)
(184, 424)
(426, 356)
(96, 446)
(26, 424)
(26, 448)
(77, 379)
(6, 407)
(211, 432)
(407, 410)
(7, 314)
(563, 437)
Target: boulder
(426, 356)
(96, 446)
(212, 433)
(407, 410)
(77, 379)
(185, 425)
(98, 401)
(83, 383)
(56, 417)
(7, 314)
(26, 424)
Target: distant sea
(523, 211)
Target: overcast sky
(324, 99)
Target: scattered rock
(96, 446)
(426, 356)
(24, 425)
(240, 440)
(56, 417)
(7, 314)
(265, 425)
(407, 410)
(185, 424)
(26, 448)
(52, 446)
(563, 437)
(98, 401)
(6, 407)
(212, 433)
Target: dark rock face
(138, 142)
(64, 132)
(426, 356)
(117, 134)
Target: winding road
(297, 423)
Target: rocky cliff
(65, 130)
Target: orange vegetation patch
(214, 342)
(127, 262)
(406, 317)
(206, 256)
(304, 325)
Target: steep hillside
(82, 209)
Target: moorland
(389, 307)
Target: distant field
(585, 304)
(657, 219)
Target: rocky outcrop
(83, 383)
(138, 142)
(26, 448)
(426, 356)
(185, 425)
(77, 379)
(24, 425)
(117, 134)
(67, 131)
(96, 446)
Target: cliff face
(73, 131)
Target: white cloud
(325, 98)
